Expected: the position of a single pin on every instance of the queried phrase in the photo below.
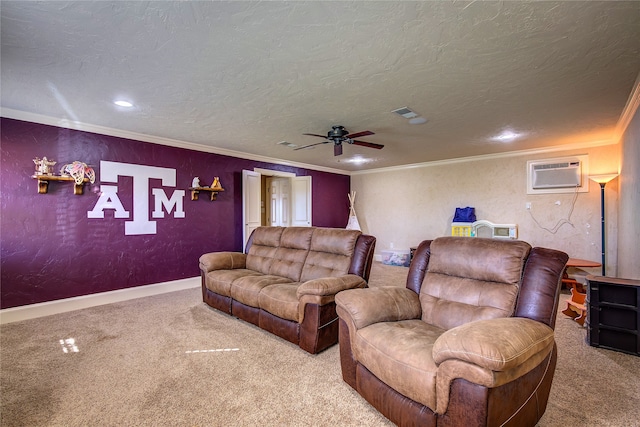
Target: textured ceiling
(244, 76)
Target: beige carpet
(169, 360)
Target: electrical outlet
(528, 206)
(391, 245)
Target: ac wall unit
(560, 175)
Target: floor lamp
(602, 180)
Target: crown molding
(103, 130)
(517, 153)
(627, 115)
(629, 110)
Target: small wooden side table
(576, 262)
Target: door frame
(276, 173)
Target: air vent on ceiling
(405, 112)
(287, 144)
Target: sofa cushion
(219, 281)
(290, 256)
(330, 253)
(281, 300)
(471, 279)
(265, 242)
(247, 289)
(400, 354)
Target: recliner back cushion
(471, 279)
(265, 242)
(292, 253)
(330, 253)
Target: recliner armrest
(222, 261)
(489, 353)
(363, 307)
(495, 344)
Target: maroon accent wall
(51, 250)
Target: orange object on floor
(576, 308)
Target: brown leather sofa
(286, 280)
(469, 341)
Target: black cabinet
(613, 317)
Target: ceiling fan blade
(359, 134)
(315, 134)
(337, 149)
(367, 144)
(310, 145)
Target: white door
(301, 201)
(250, 204)
(280, 201)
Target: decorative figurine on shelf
(77, 170)
(216, 183)
(43, 165)
(196, 182)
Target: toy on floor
(576, 308)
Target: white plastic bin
(396, 257)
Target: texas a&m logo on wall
(140, 223)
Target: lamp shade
(603, 179)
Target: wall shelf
(214, 192)
(43, 183)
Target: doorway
(277, 192)
(272, 197)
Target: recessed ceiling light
(417, 121)
(122, 103)
(507, 136)
(357, 160)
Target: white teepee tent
(353, 223)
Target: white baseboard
(33, 311)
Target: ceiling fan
(338, 135)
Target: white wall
(629, 206)
(405, 206)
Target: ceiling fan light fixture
(339, 135)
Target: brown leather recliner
(468, 341)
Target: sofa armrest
(222, 261)
(328, 286)
(363, 307)
(495, 344)
(323, 291)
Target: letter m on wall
(161, 200)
